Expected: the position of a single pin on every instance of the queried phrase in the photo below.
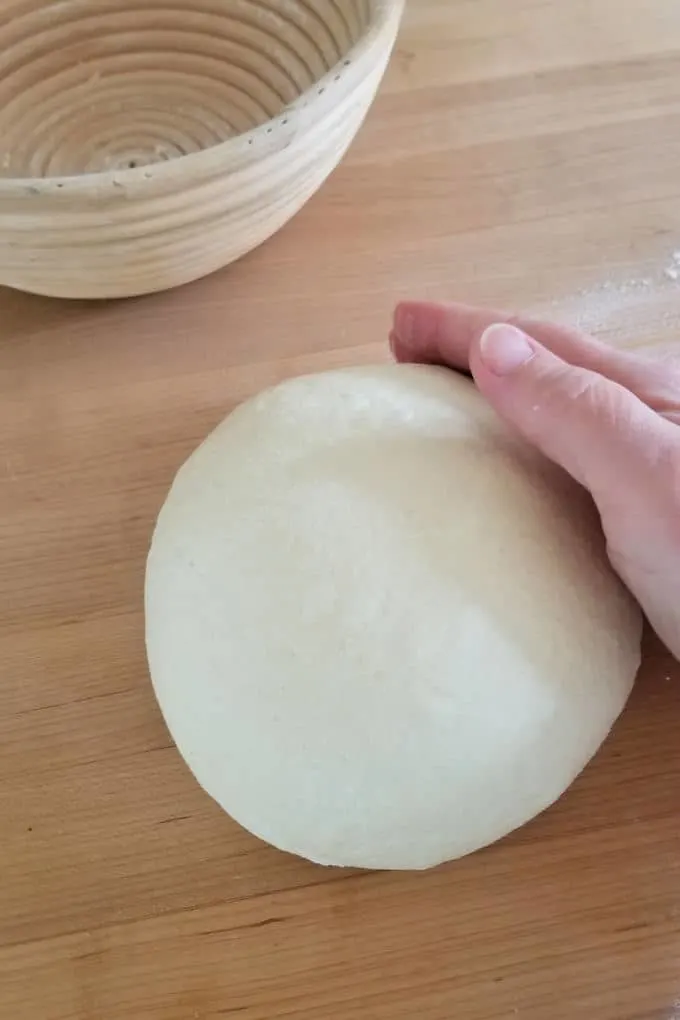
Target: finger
(445, 334)
(593, 427)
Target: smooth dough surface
(383, 631)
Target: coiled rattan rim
(196, 165)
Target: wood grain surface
(524, 154)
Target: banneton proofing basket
(146, 143)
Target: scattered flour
(592, 309)
(672, 271)
(622, 308)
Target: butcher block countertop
(525, 154)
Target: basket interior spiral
(95, 85)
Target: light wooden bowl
(146, 143)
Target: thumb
(598, 431)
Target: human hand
(610, 418)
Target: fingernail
(405, 326)
(394, 342)
(504, 349)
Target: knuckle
(573, 392)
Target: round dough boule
(382, 630)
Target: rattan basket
(147, 143)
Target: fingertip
(399, 352)
(433, 333)
(504, 349)
(412, 324)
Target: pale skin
(610, 418)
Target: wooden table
(522, 153)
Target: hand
(610, 418)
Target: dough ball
(382, 630)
